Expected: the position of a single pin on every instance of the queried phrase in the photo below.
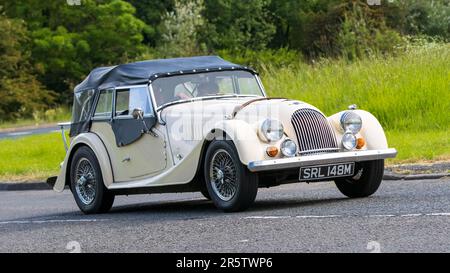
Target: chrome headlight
(288, 148)
(352, 122)
(271, 130)
(349, 141)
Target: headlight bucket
(288, 148)
(271, 130)
(351, 122)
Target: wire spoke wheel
(222, 174)
(85, 185)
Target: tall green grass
(31, 158)
(50, 116)
(408, 92)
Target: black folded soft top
(146, 71)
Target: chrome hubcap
(85, 181)
(222, 174)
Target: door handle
(126, 159)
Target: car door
(134, 154)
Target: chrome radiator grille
(314, 133)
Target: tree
(179, 29)
(68, 41)
(363, 35)
(414, 17)
(293, 19)
(20, 93)
(237, 25)
(150, 12)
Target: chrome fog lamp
(288, 148)
(350, 121)
(271, 130)
(349, 141)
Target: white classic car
(204, 124)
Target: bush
(21, 93)
(361, 35)
(431, 18)
(179, 30)
(237, 25)
(259, 60)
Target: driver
(207, 89)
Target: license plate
(326, 171)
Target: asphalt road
(403, 216)
(28, 132)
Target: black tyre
(231, 186)
(366, 181)
(86, 183)
(205, 193)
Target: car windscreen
(184, 87)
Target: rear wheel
(365, 182)
(86, 183)
(231, 186)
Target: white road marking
(269, 217)
(380, 215)
(318, 216)
(411, 215)
(438, 214)
(51, 221)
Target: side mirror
(138, 113)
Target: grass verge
(32, 158)
(419, 146)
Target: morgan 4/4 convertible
(204, 124)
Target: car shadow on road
(191, 206)
(205, 208)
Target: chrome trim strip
(204, 98)
(319, 150)
(131, 117)
(311, 160)
(155, 108)
(129, 86)
(261, 86)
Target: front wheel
(86, 183)
(366, 181)
(205, 193)
(231, 186)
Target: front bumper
(311, 160)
